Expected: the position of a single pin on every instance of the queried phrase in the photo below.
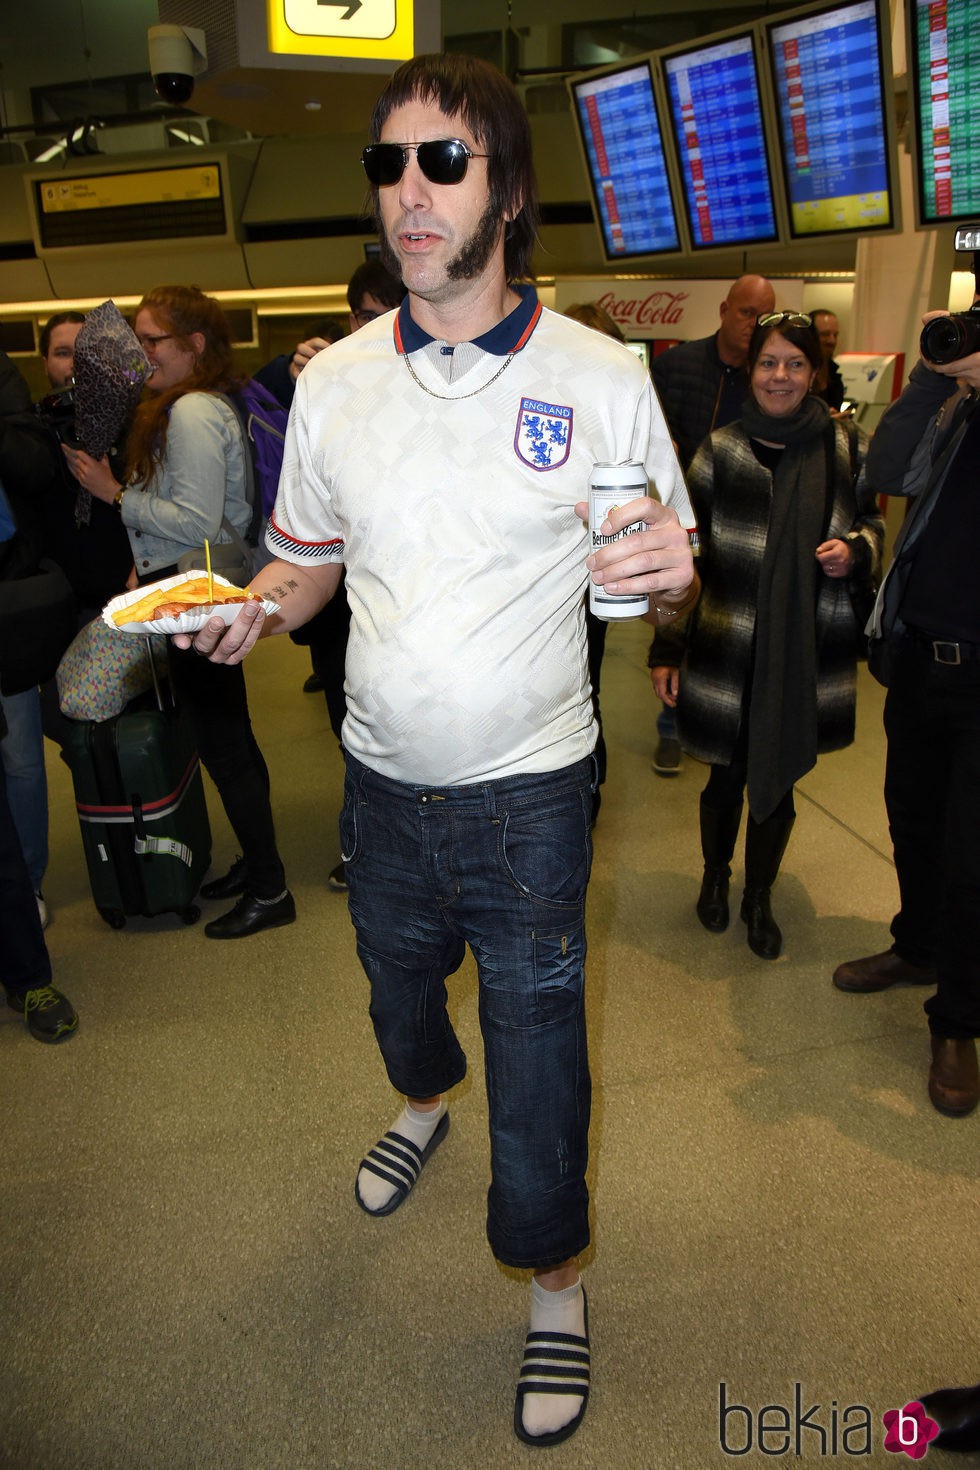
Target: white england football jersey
(452, 508)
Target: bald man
(701, 384)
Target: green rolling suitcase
(142, 812)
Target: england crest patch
(544, 434)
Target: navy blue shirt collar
(507, 336)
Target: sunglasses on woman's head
(443, 161)
(784, 319)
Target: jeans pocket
(350, 826)
(559, 970)
(545, 848)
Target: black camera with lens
(57, 413)
(948, 338)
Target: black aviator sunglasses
(443, 161)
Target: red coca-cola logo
(660, 308)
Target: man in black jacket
(830, 382)
(84, 536)
(25, 473)
(927, 630)
(30, 644)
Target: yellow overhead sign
(149, 186)
(376, 30)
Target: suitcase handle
(139, 826)
(157, 688)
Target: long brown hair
(183, 310)
(472, 89)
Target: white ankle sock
(418, 1128)
(554, 1311)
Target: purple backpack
(263, 420)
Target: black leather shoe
(957, 1412)
(234, 882)
(712, 904)
(765, 936)
(250, 916)
(880, 971)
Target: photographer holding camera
(926, 649)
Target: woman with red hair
(186, 482)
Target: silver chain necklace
(458, 397)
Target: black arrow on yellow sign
(353, 6)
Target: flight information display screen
(620, 128)
(831, 100)
(716, 117)
(946, 67)
(183, 201)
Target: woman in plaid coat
(763, 672)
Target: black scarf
(783, 697)
(809, 420)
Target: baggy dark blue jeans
(502, 866)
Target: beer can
(611, 485)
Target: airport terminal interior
(188, 1283)
(784, 1229)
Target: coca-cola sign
(658, 309)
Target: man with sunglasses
(443, 456)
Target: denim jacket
(200, 481)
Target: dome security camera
(177, 55)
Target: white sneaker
(42, 909)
